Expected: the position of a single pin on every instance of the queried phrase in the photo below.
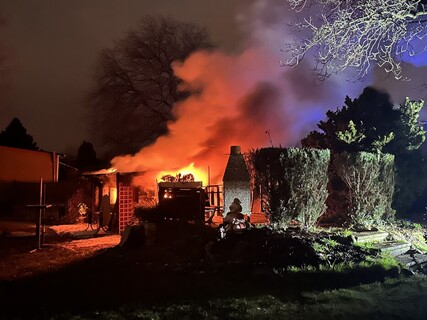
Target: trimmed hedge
(293, 183)
(369, 178)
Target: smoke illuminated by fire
(237, 99)
(236, 105)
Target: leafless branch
(357, 34)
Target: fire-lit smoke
(243, 99)
(236, 104)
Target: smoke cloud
(243, 99)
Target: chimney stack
(235, 150)
(236, 181)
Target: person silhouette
(235, 206)
(234, 220)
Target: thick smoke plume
(241, 99)
(235, 105)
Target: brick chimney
(236, 181)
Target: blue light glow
(416, 55)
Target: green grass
(367, 245)
(383, 261)
(393, 299)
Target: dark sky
(51, 48)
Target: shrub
(269, 176)
(369, 178)
(293, 182)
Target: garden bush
(293, 183)
(369, 178)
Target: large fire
(235, 106)
(196, 173)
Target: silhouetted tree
(15, 135)
(135, 86)
(372, 123)
(86, 157)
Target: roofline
(57, 153)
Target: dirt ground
(63, 245)
(91, 271)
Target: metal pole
(209, 175)
(43, 221)
(218, 198)
(39, 217)
(269, 137)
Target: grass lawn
(393, 299)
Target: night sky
(50, 49)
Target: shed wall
(27, 165)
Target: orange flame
(199, 174)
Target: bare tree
(136, 88)
(358, 34)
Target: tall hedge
(369, 178)
(293, 183)
(269, 176)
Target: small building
(21, 165)
(237, 181)
(21, 171)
